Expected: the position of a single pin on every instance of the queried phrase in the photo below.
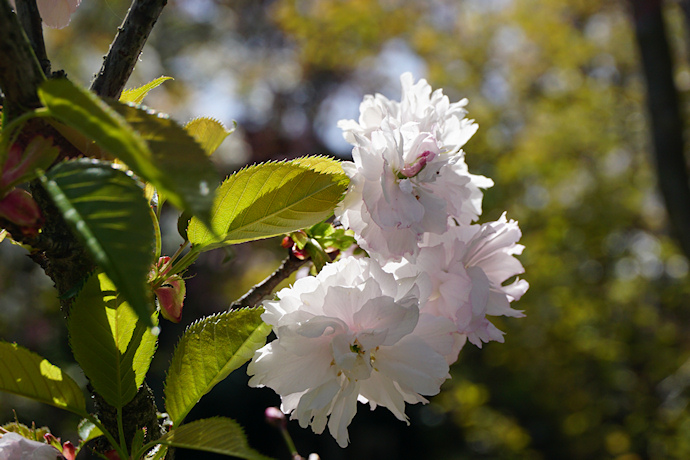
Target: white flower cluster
(384, 330)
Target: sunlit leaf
(87, 430)
(106, 208)
(271, 199)
(27, 374)
(219, 435)
(209, 133)
(110, 344)
(137, 95)
(84, 112)
(156, 148)
(184, 175)
(322, 164)
(208, 351)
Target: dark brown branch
(20, 71)
(266, 287)
(30, 19)
(666, 121)
(126, 48)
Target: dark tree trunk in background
(663, 104)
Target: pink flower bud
(51, 439)
(413, 169)
(162, 262)
(21, 163)
(19, 207)
(275, 417)
(69, 451)
(301, 254)
(171, 298)
(112, 455)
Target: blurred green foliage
(600, 366)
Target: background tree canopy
(600, 366)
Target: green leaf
(219, 435)
(92, 117)
(209, 133)
(184, 174)
(208, 352)
(271, 199)
(110, 344)
(107, 209)
(330, 237)
(87, 430)
(157, 149)
(137, 95)
(27, 374)
(317, 254)
(323, 165)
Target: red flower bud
(69, 451)
(301, 254)
(19, 207)
(21, 164)
(51, 439)
(112, 455)
(171, 298)
(162, 262)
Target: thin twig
(266, 287)
(30, 19)
(126, 48)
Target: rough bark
(20, 71)
(126, 48)
(30, 19)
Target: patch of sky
(380, 74)
(495, 87)
(199, 10)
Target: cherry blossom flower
(350, 333)
(465, 269)
(15, 446)
(408, 175)
(55, 13)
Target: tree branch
(126, 48)
(266, 287)
(20, 71)
(666, 121)
(30, 19)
